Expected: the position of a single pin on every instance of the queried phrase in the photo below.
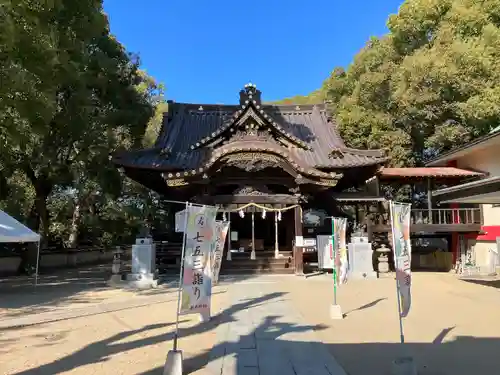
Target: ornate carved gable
(252, 190)
(251, 132)
(256, 161)
(251, 121)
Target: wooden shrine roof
(192, 134)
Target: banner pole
(396, 264)
(181, 276)
(334, 265)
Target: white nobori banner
(221, 229)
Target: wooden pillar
(377, 186)
(298, 255)
(369, 230)
(276, 245)
(252, 254)
(228, 255)
(429, 199)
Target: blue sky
(205, 51)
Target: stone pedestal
(116, 280)
(173, 363)
(336, 312)
(360, 260)
(252, 255)
(142, 281)
(143, 274)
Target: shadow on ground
(493, 283)
(461, 355)
(19, 296)
(366, 306)
(101, 350)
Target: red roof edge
(440, 172)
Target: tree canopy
(430, 84)
(71, 96)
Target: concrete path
(268, 338)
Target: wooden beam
(431, 228)
(269, 180)
(298, 255)
(259, 199)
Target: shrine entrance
(261, 221)
(261, 230)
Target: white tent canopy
(12, 230)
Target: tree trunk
(75, 225)
(33, 218)
(43, 214)
(43, 187)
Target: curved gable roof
(188, 127)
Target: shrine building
(274, 171)
(278, 173)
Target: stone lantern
(383, 260)
(117, 261)
(116, 277)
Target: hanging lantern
(263, 214)
(242, 214)
(279, 215)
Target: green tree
(429, 85)
(95, 178)
(70, 97)
(156, 94)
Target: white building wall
(484, 160)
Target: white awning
(12, 230)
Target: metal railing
(446, 216)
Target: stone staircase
(168, 262)
(265, 263)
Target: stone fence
(63, 258)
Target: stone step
(260, 268)
(252, 264)
(258, 259)
(255, 271)
(261, 253)
(238, 271)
